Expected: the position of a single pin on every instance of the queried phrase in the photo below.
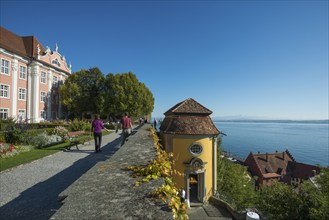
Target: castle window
(22, 72)
(21, 94)
(196, 149)
(4, 91)
(21, 114)
(42, 97)
(3, 113)
(5, 66)
(56, 63)
(55, 81)
(43, 77)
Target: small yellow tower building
(189, 133)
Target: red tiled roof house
(280, 166)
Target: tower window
(196, 149)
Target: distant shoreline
(276, 121)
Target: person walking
(126, 126)
(155, 124)
(97, 126)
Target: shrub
(61, 131)
(5, 122)
(42, 140)
(2, 137)
(14, 135)
(78, 125)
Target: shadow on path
(41, 200)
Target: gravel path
(30, 191)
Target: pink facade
(29, 78)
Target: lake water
(308, 143)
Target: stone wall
(108, 191)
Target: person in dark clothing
(97, 126)
(155, 124)
(126, 126)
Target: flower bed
(10, 150)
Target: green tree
(310, 200)
(315, 197)
(124, 93)
(83, 91)
(280, 201)
(90, 91)
(234, 183)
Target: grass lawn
(34, 154)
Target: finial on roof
(56, 47)
(38, 49)
(48, 49)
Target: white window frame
(2, 91)
(20, 115)
(43, 96)
(5, 70)
(43, 77)
(22, 94)
(4, 111)
(22, 73)
(196, 153)
(55, 81)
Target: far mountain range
(264, 119)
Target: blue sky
(263, 59)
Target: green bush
(43, 140)
(2, 137)
(79, 125)
(14, 135)
(4, 123)
(61, 131)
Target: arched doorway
(195, 181)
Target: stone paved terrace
(30, 191)
(107, 190)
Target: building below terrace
(29, 78)
(280, 166)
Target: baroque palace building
(29, 78)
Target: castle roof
(30, 48)
(24, 46)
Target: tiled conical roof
(189, 106)
(188, 117)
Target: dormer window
(55, 62)
(196, 149)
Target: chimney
(266, 156)
(283, 155)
